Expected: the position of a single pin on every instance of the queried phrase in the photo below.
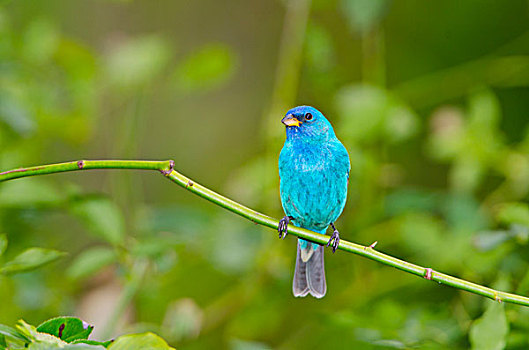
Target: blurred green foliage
(430, 99)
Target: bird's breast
(313, 184)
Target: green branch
(167, 169)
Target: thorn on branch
(373, 245)
(171, 168)
(80, 164)
(428, 274)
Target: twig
(167, 169)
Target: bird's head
(307, 123)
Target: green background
(430, 98)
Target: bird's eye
(308, 116)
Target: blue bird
(314, 171)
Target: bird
(314, 171)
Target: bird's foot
(283, 226)
(336, 238)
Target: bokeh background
(430, 98)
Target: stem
(166, 168)
(286, 79)
(289, 62)
(84, 165)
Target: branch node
(80, 164)
(497, 297)
(428, 274)
(189, 184)
(170, 170)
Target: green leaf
(463, 212)
(102, 217)
(484, 112)
(48, 346)
(27, 330)
(362, 108)
(369, 114)
(46, 341)
(490, 331)
(390, 343)
(93, 342)
(31, 259)
(137, 61)
(3, 243)
(183, 319)
(85, 346)
(13, 334)
(91, 261)
(523, 286)
(43, 346)
(239, 344)
(466, 174)
(16, 114)
(138, 342)
(207, 68)
(514, 213)
(66, 328)
(28, 193)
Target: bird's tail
(309, 276)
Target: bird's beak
(290, 120)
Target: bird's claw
(336, 238)
(282, 228)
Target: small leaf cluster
(71, 333)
